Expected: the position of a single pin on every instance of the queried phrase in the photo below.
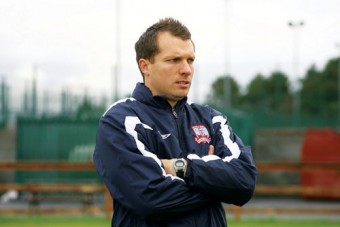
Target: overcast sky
(73, 42)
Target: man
(167, 162)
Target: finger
(211, 150)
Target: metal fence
(245, 123)
(4, 109)
(55, 139)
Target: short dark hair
(147, 47)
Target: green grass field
(89, 221)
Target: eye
(191, 60)
(175, 60)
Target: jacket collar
(143, 94)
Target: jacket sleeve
(230, 174)
(134, 175)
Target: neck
(172, 103)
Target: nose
(186, 68)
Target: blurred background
(272, 66)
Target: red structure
(321, 146)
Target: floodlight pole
(34, 91)
(296, 26)
(227, 82)
(116, 70)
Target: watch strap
(180, 173)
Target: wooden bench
(87, 189)
(87, 192)
(282, 190)
(290, 190)
(295, 189)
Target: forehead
(172, 45)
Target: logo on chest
(201, 134)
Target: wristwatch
(180, 166)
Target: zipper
(175, 114)
(180, 136)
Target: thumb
(211, 150)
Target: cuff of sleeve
(188, 177)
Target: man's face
(171, 72)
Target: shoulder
(121, 107)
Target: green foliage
(218, 88)
(312, 92)
(269, 94)
(319, 93)
(81, 108)
(89, 110)
(273, 94)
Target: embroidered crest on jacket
(201, 133)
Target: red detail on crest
(202, 134)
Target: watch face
(179, 163)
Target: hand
(169, 163)
(169, 166)
(211, 150)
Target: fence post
(237, 212)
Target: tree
(256, 95)
(217, 96)
(278, 86)
(269, 94)
(312, 94)
(88, 110)
(319, 93)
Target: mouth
(183, 82)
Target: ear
(144, 66)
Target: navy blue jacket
(135, 133)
